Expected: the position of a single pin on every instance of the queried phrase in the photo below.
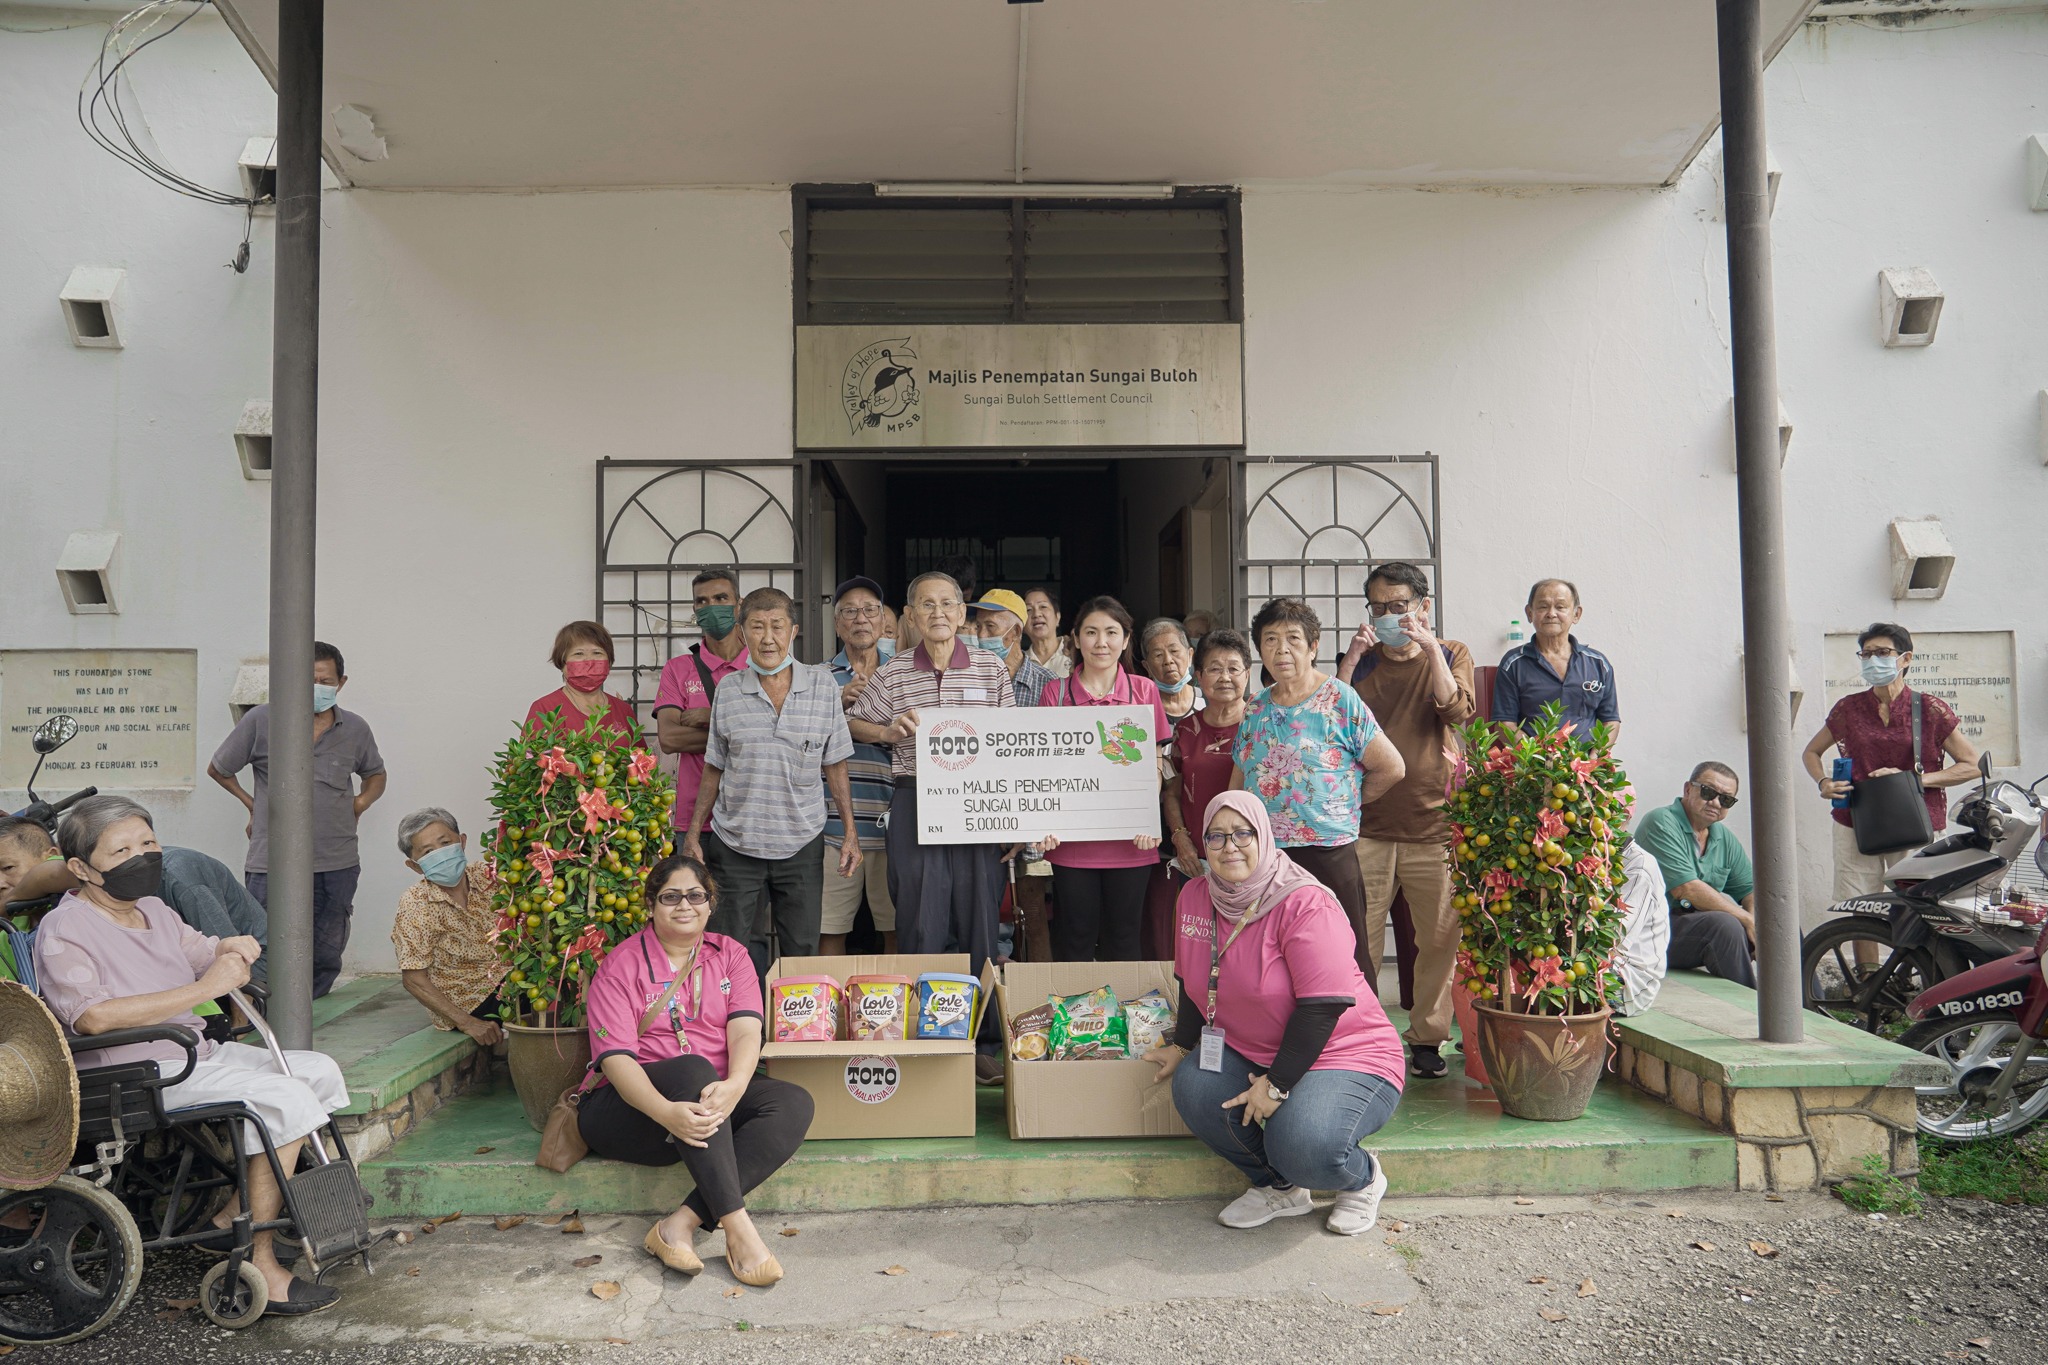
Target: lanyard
(676, 1017)
(1216, 955)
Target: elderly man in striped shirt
(776, 729)
(946, 895)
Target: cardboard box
(1050, 1099)
(880, 1088)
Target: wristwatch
(1274, 1092)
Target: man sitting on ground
(1707, 875)
(443, 928)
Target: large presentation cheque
(1000, 776)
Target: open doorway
(1142, 528)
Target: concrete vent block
(1908, 307)
(1784, 435)
(251, 687)
(258, 168)
(1922, 560)
(1797, 689)
(91, 300)
(252, 440)
(2037, 173)
(85, 573)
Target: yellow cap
(1002, 599)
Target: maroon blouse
(1871, 744)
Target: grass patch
(1407, 1252)
(2010, 1170)
(1877, 1190)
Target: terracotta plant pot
(544, 1063)
(1543, 1066)
(1462, 1007)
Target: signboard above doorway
(908, 386)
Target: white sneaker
(1358, 1210)
(1260, 1205)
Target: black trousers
(1100, 909)
(947, 895)
(1712, 939)
(763, 1131)
(1337, 868)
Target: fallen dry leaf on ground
(791, 1232)
(944, 1336)
(1524, 1201)
(508, 1221)
(558, 1219)
(617, 1341)
(1774, 1199)
(1075, 1360)
(481, 1150)
(572, 1224)
(1539, 1279)
(1981, 1343)
(1763, 1249)
(433, 1223)
(585, 1262)
(895, 1270)
(1704, 1246)
(1674, 1213)
(606, 1290)
(1392, 1238)
(6, 1350)
(413, 1272)
(1397, 1226)
(1550, 1314)
(402, 1238)
(1586, 1289)
(1388, 1310)
(732, 1293)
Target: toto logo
(952, 744)
(872, 1079)
(879, 389)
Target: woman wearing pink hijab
(1294, 1062)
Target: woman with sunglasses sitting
(1294, 1063)
(675, 1030)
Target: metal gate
(1314, 528)
(659, 522)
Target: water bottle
(1518, 634)
(1842, 768)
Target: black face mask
(142, 875)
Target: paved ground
(1728, 1280)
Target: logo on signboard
(952, 744)
(872, 1079)
(880, 388)
(1120, 746)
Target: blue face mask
(1174, 689)
(1877, 672)
(443, 867)
(1388, 628)
(886, 648)
(324, 697)
(787, 660)
(992, 646)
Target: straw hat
(38, 1092)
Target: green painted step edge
(386, 1075)
(348, 995)
(1708, 1026)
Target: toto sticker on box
(872, 1079)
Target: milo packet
(1149, 1021)
(1094, 1018)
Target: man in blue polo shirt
(1555, 667)
(1707, 876)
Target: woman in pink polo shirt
(675, 1030)
(1100, 883)
(1295, 1063)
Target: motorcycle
(1988, 1025)
(1942, 914)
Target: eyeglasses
(1877, 654)
(1727, 799)
(858, 613)
(1400, 608)
(1243, 838)
(934, 608)
(672, 899)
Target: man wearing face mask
(999, 630)
(682, 701)
(442, 932)
(1419, 688)
(778, 742)
(343, 750)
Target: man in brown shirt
(1418, 687)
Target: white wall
(1564, 353)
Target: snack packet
(1149, 1022)
(945, 1005)
(1031, 1034)
(1091, 1017)
(805, 1009)
(878, 1007)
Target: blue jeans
(1312, 1140)
(334, 905)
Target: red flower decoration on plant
(1499, 760)
(553, 764)
(542, 858)
(596, 810)
(1550, 824)
(1588, 866)
(641, 764)
(1583, 767)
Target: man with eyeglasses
(857, 619)
(1712, 888)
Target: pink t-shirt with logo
(720, 988)
(1302, 949)
(682, 689)
(1128, 691)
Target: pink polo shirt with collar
(682, 689)
(720, 988)
(1130, 690)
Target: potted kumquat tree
(583, 816)
(1536, 824)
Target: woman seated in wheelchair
(112, 955)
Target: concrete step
(384, 1041)
(475, 1155)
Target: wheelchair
(145, 1178)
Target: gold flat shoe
(761, 1276)
(674, 1257)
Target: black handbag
(1889, 813)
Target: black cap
(858, 581)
